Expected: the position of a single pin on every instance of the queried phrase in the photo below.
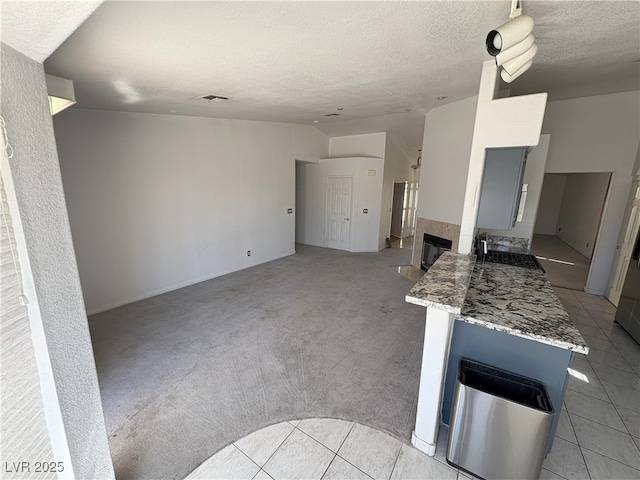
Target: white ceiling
(295, 61)
(36, 29)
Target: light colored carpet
(322, 333)
(562, 275)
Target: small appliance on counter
(482, 247)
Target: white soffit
(37, 28)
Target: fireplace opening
(432, 248)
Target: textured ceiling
(297, 61)
(585, 48)
(278, 61)
(36, 29)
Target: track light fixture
(512, 44)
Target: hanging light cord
(8, 149)
(8, 152)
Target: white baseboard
(594, 292)
(428, 448)
(176, 286)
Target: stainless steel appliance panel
(628, 312)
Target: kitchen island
(504, 316)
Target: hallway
(565, 266)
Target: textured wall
(41, 203)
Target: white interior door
(625, 245)
(338, 212)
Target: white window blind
(24, 434)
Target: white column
(437, 338)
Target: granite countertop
(521, 302)
(444, 286)
(514, 300)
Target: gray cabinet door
(501, 188)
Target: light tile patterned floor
(598, 435)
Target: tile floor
(599, 433)
(324, 448)
(598, 436)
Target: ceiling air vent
(212, 97)
(331, 115)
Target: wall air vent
(331, 115)
(211, 97)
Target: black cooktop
(516, 259)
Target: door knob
(347, 219)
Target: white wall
(53, 287)
(311, 197)
(309, 144)
(448, 131)
(352, 155)
(311, 181)
(368, 145)
(157, 202)
(397, 166)
(533, 177)
(500, 122)
(597, 134)
(550, 202)
(582, 201)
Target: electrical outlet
(365, 210)
(248, 253)
(289, 210)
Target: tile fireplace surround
(450, 231)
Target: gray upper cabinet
(501, 188)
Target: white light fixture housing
(509, 34)
(513, 44)
(515, 51)
(510, 78)
(61, 93)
